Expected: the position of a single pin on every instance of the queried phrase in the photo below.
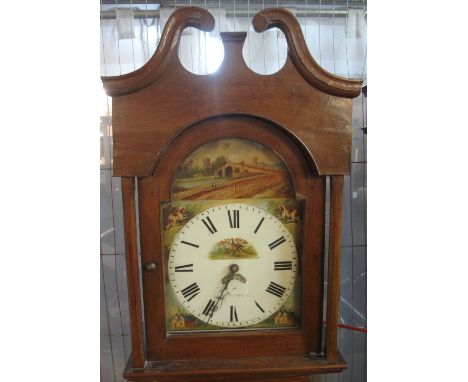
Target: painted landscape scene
(230, 169)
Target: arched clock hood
(310, 104)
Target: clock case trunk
(161, 113)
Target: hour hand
(239, 277)
(233, 268)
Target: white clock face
(233, 265)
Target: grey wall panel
(107, 363)
(358, 201)
(107, 214)
(118, 216)
(359, 357)
(119, 356)
(113, 294)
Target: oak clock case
(227, 295)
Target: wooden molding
(133, 272)
(300, 55)
(181, 18)
(246, 369)
(334, 255)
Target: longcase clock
(227, 174)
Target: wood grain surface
(334, 254)
(258, 369)
(133, 272)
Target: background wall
(336, 36)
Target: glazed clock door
(227, 238)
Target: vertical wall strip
(249, 21)
(263, 43)
(365, 53)
(319, 34)
(333, 39)
(346, 36)
(133, 31)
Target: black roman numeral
(276, 289)
(233, 314)
(209, 224)
(259, 224)
(188, 243)
(234, 219)
(208, 308)
(192, 290)
(277, 242)
(259, 307)
(283, 265)
(184, 268)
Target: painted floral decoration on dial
(233, 266)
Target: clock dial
(233, 265)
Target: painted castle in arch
(230, 169)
